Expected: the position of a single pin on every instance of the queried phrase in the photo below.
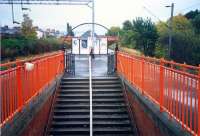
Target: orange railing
(174, 87)
(19, 86)
(21, 62)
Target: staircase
(71, 111)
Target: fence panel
(19, 86)
(174, 87)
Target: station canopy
(47, 2)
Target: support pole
(90, 87)
(170, 30)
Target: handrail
(19, 86)
(90, 87)
(175, 90)
(183, 66)
(52, 103)
(131, 112)
(21, 62)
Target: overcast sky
(107, 12)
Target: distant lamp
(26, 9)
(15, 22)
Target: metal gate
(111, 63)
(70, 63)
(102, 65)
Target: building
(10, 32)
(82, 44)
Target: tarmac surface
(99, 65)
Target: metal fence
(174, 87)
(19, 86)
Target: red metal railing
(19, 86)
(174, 87)
(21, 62)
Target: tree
(146, 35)
(196, 23)
(114, 31)
(127, 25)
(69, 30)
(185, 43)
(27, 29)
(192, 14)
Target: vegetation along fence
(174, 87)
(20, 85)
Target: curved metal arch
(90, 24)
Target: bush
(21, 46)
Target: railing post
(199, 103)
(142, 87)
(19, 86)
(161, 84)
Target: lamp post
(170, 28)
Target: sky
(107, 12)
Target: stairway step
(109, 111)
(114, 130)
(71, 112)
(113, 134)
(94, 95)
(70, 124)
(111, 123)
(107, 91)
(71, 117)
(73, 96)
(74, 86)
(108, 94)
(67, 131)
(87, 86)
(70, 101)
(110, 117)
(113, 100)
(102, 96)
(94, 79)
(87, 82)
(74, 79)
(63, 106)
(74, 91)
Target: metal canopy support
(90, 87)
(46, 2)
(90, 71)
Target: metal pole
(90, 72)
(90, 87)
(93, 21)
(170, 29)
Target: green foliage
(160, 52)
(192, 14)
(146, 35)
(127, 25)
(27, 29)
(185, 43)
(196, 23)
(141, 35)
(114, 31)
(13, 47)
(153, 40)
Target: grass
(130, 51)
(28, 57)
